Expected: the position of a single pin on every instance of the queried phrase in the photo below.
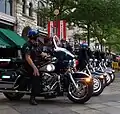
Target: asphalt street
(107, 103)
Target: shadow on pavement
(61, 101)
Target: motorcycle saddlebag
(7, 79)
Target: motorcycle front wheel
(113, 77)
(98, 87)
(108, 79)
(82, 94)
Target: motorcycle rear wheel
(13, 96)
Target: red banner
(57, 28)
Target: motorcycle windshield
(59, 50)
(64, 51)
(61, 55)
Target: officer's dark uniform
(103, 55)
(33, 51)
(83, 58)
(97, 55)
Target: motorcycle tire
(98, 86)
(87, 90)
(113, 77)
(109, 81)
(13, 96)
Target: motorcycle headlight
(88, 79)
(101, 76)
(50, 67)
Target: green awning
(4, 44)
(13, 37)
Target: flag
(57, 28)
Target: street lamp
(56, 13)
(104, 42)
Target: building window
(41, 19)
(24, 6)
(6, 6)
(30, 9)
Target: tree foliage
(98, 15)
(100, 18)
(64, 7)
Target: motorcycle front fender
(80, 75)
(83, 76)
(109, 71)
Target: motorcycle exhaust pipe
(25, 92)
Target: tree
(100, 12)
(97, 17)
(113, 39)
(64, 7)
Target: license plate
(5, 77)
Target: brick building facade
(20, 15)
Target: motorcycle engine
(47, 81)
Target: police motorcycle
(99, 82)
(107, 69)
(98, 79)
(99, 68)
(58, 78)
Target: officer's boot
(32, 100)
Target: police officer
(66, 45)
(30, 52)
(83, 56)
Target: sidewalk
(4, 108)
